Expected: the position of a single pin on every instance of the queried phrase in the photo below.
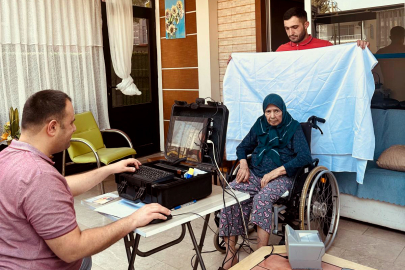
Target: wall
(236, 31)
(179, 63)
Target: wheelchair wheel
(320, 204)
(219, 242)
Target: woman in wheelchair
(279, 148)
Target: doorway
(137, 116)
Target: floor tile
(160, 265)
(401, 259)
(351, 225)
(369, 261)
(335, 251)
(386, 234)
(362, 245)
(96, 267)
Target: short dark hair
(42, 107)
(397, 32)
(297, 12)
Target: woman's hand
(243, 172)
(272, 175)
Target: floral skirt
(259, 208)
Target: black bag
(192, 129)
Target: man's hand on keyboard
(126, 165)
(147, 213)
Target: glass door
(137, 116)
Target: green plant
(12, 128)
(14, 123)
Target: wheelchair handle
(313, 119)
(320, 120)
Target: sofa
(381, 198)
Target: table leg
(198, 248)
(215, 179)
(131, 243)
(202, 239)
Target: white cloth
(333, 82)
(121, 37)
(386, 20)
(57, 45)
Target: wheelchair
(312, 204)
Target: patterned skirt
(259, 208)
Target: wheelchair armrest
(119, 132)
(234, 170)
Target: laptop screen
(186, 137)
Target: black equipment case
(188, 145)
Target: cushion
(393, 158)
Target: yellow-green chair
(87, 146)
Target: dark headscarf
(272, 138)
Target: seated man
(38, 228)
(279, 148)
(392, 70)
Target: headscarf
(273, 138)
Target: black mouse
(156, 221)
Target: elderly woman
(279, 148)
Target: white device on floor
(304, 248)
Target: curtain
(121, 36)
(52, 44)
(385, 21)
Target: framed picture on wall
(175, 19)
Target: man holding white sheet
(38, 228)
(296, 25)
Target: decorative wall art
(175, 19)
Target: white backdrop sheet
(333, 82)
(52, 44)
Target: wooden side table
(256, 257)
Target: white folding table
(204, 207)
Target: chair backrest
(307, 129)
(86, 128)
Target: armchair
(87, 145)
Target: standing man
(296, 25)
(38, 228)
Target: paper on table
(120, 208)
(102, 199)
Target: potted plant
(11, 128)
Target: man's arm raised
(77, 244)
(81, 183)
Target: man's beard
(300, 38)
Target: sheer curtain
(52, 44)
(385, 21)
(121, 36)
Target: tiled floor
(366, 244)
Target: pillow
(393, 158)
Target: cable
(244, 239)
(240, 206)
